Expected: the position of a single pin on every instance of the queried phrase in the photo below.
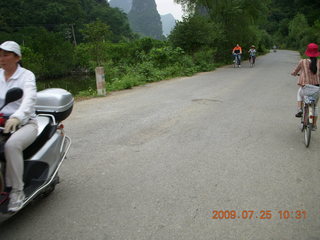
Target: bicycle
(236, 61)
(252, 60)
(310, 97)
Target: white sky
(168, 6)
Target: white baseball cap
(11, 46)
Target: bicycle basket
(311, 91)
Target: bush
(120, 52)
(126, 82)
(90, 92)
(204, 59)
(165, 56)
(146, 44)
(146, 69)
(82, 58)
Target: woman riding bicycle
(252, 54)
(309, 70)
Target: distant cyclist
(252, 54)
(309, 70)
(274, 48)
(236, 52)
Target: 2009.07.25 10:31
(258, 214)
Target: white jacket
(23, 109)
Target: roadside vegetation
(63, 41)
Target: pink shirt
(306, 76)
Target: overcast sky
(168, 6)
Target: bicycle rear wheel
(307, 134)
(307, 126)
(304, 118)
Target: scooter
(43, 158)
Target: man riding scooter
(21, 119)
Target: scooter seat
(45, 130)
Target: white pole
(100, 80)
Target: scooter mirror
(12, 95)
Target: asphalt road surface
(162, 161)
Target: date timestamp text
(259, 214)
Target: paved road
(156, 161)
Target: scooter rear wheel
(51, 187)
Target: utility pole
(73, 35)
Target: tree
(316, 31)
(116, 20)
(58, 15)
(239, 21)
(97, 34)
(195, 33)
(281, 16)
(298, 32)
(56, 53)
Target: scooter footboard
(66, 143)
